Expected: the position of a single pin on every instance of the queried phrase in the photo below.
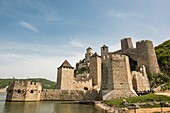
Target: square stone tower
(95, 69)
(65, 76)
(119, 81)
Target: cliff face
(163, 55)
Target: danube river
(44, 107)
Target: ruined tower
(89, 53)
(147, 56)
(65, 76)
(95, 69)
(126, 43)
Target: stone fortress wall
(117, 71)
(102, 77)
(67, 81)
(70, 95)
(143, 54)
(140, 81)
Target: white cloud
(122, 15)
(28, 26)
(76, 43)
(36, 60)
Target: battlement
(67, 68)
(144, 41)
(117, 56)
(50, 90)
(33, 83)
(144, 45)
(104, 50)
(25, 83)
(83, 81)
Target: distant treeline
(46, 84)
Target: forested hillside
(163, 55)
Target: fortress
(119, 74)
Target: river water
(44, 107)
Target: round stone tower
(147, 56)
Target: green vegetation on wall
(158, 79)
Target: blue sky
(36, 36)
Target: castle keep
(110, 75)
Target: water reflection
(44, 107)
(47, 107)
(21, 107)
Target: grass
(140, 99)
(46, 84)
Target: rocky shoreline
(131, 107)
(3, 90)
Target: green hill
(46, 84)
(163, 55)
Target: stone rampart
(70, 95)
(82, 84)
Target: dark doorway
(85, 88)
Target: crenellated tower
(147, 56)
(24, 91)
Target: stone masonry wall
(95, 70)
(24, 91)
(14, 91)
(120, 81)
(81, 85)
(121, 72)
(140, 82)
(143, 54)
(66, 76)
(104, 70)
(74, 95)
